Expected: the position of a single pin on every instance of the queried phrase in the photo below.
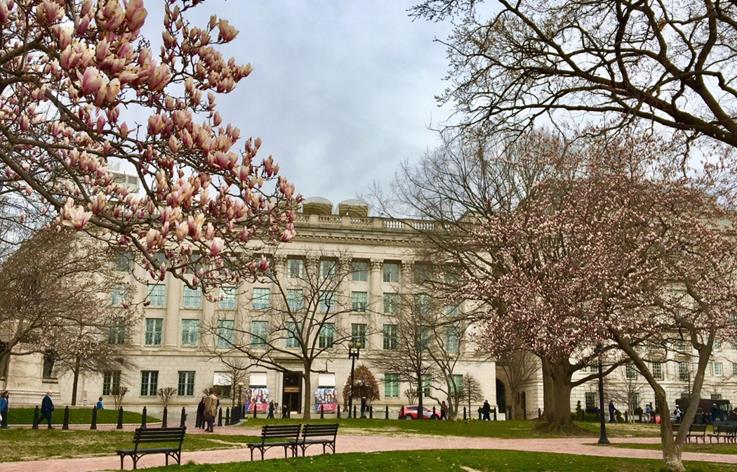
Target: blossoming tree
(73, 73)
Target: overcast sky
(342, 90)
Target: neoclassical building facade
(171, 346)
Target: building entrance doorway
(292, 391)
(501, 396)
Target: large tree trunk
(307, 395)
(671, 447)
(75, 381)
(557, 388)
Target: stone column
(171, 320)
(376, 292)
(406, 278)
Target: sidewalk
(377, 443)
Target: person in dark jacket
(486, 410)
(612, 412)
(4, 407)
(99, 405)
(270, 416)
(199, 421)
(47, 409)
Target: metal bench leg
(262, 453)
(121, 462)
(251, 453)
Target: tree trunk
(671, 447)
(75, 381)
(307, 395)
(420, 410)
(557, 388)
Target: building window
(457, 383)
(359, 301)
(295, 299)
(717, 369)
(153, 331)
(734, 368)
(192, 298)
(390, 336)
(358, 335)
(227, 300)
(422, 303)
(292, 335)
(657, 370)
(326, 336)
(630, 372)
(261, 298)
(149, 383)
(328, 268)
(391, 385)
(118, 296)
(157, 295)
(716, 396)
(683, 374)
(422, 273)
(185, 387)
(360, 271)
(452, 340)
(590, 399)
(326, 300)
(123, 261)
(295, 268)
(116, 334)
(48, 365)
(424, 336)
(259, 333)
(391, 272)
(450, 311)
(110, 382)
(190, 332)
(226, 332)
(426, 384)
(391, 303)
(717, 344)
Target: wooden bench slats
(161, 436)
(325, 434)
(271, 431)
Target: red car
(410, 413)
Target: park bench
(696, 431)
(273, 435)
(169, 441)
(721, 431)
(324, 434)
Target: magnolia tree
(72, 73)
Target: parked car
(410, 413)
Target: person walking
(99, 405)
(47, 409)
(486, 410)
(443, 410)
(199, 421)
(211, 409)
(270, 416)
(612, 412)
(4, 406)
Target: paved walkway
(358, 443)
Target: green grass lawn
(700, 447)
(82, 416)
(28, 444)
(449, 461)
(475, 428)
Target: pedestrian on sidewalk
(443, 410)
(270, 416)
(486, 410)
(199, 421)
(612, 412)
(211, 409)
(4, 406)
(99, 405)
(47, 409)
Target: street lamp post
(603, 441)
(353, 353)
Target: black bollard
(220, 416)
(143, 418)
(371, 412)
(386, 412)
(338, 411)
(433, 411)
(539, 413)
(354, 411)
(35, 418)
(254, 411)
(65, 423)
(322, 412)
(165, 418)
(227, 415)
(494, 410)
(183, 419)
(120, 418)
(626, 417)
(464, 414)
(93, 423)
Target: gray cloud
(342, 91)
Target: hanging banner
(258, 398)
(327, 398)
